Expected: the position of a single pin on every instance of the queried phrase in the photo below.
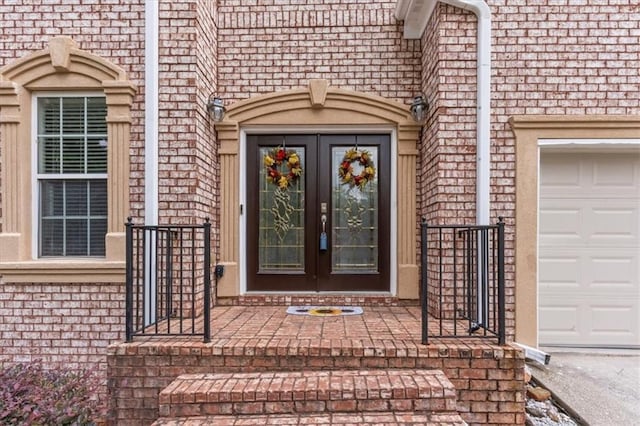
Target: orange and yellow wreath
(283, 167)
(346, 173)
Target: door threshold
(313, 298)
(318, 293)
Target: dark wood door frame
(317, 275)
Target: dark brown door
(303, 189)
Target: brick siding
(72, 324)
(559, 59)
(187, 144)
(113, 30)
(356, 46)
(67, 325)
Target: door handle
(323, 235)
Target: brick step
(342, 391)
(384, 418)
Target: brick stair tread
(385, 418)
(308, 392)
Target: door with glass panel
(318, 212)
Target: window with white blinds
(72, 175)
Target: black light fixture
(216, 107)
(419, 108)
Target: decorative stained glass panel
(281, 219)
(354, 232)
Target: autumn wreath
(283, 167)
(346, 173)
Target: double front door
(318, 212)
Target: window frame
(61, 66)
(37, 177)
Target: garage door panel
(613, 171)
(587, 270)
(559, 272)
(619, 273)
(560, 224)
(589, 222)
(618, 224)
(611, 322)
(559, 321)
(612, 318)
(589, 245)
(605, 175)
(557, 173)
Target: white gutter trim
(151, 24)
(483, 130)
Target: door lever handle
(323, 235)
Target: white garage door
(589, 245)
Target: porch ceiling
(415, 14)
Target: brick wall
(207, 165)
(558, 59)
(187, 144)
(72, 324)
(67, 325)
(450, 82)
(112, 29)
(278, 46)
(561, 59)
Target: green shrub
(32, 395)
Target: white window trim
(35, 176)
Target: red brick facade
(356, 46)
(556, 59)
(61, 324)
(560, 59)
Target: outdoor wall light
(419, 108)
(215, 106)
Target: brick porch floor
(382, 327)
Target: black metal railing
(462, 281)
(168, 280)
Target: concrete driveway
(602, 386)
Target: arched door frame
(322, 109)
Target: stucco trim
(62, 55)
(321, 106)
(62, 66)
(528, 130)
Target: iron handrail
(462, 280)
(168, 280)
